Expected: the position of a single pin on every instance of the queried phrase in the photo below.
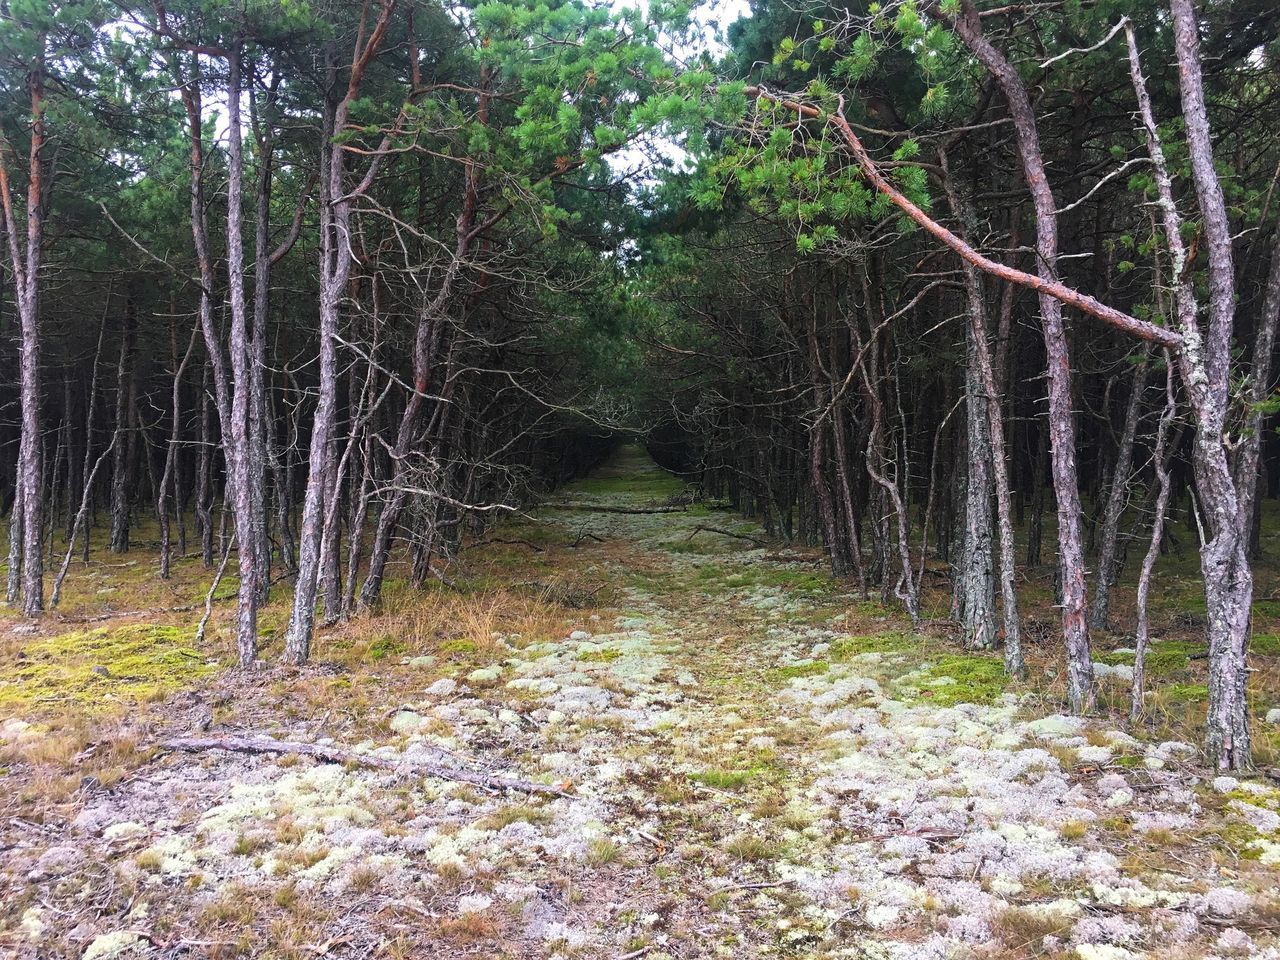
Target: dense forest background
(957, 291)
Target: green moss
(652, 486)
(1115, 658)
(722, 779)
(1268, 801)
(599, 656)
(459, 646)
(1186, 692)
(100, 669)
(977, 679)
(1167, 663)
(1265, 645)
(794, 670)
(847, 648)
(1239, 836)
(386, 646)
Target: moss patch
(793, 671)
(975, 679)
(1265, 645)
(847, 648)
(600, 656)
(99, 669)
(1186, 692)
(720, 779)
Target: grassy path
(762, 766)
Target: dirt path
(760, 766)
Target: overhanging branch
(1059, 291)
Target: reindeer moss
(99, 669)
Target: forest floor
(756, 763)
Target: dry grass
(469, 928)
(1023, 929)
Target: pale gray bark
(25, 263)
(335, 268)
(1204, 362)
(989, 386)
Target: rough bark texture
(237, 438)
(29, 492)
(1203, 363)
(1061, 421)
(977, 585)
(335, 268)
(990, 387)
(1224, 558)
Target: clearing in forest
(754, 762)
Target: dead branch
(700, 528)
(600, 508)
(261, 743)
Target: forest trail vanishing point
(754, 764)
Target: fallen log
(601, 508)
(260, 743)
(724, 533)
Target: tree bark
(994, 410)
(335, 268)
(121, 479)
(1204, 362)
(29, 498)
(1061, 423)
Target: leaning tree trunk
(335, 268)
(1160, 460)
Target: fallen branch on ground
(260, 743)
(511, 543)
(601, 508)
(724, 533)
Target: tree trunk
(28, 485)
(335, 267)
(1204, 363)
(994, 410)
(121, 479)
(1117, 499)
(1160, 460)
(1061, 421)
